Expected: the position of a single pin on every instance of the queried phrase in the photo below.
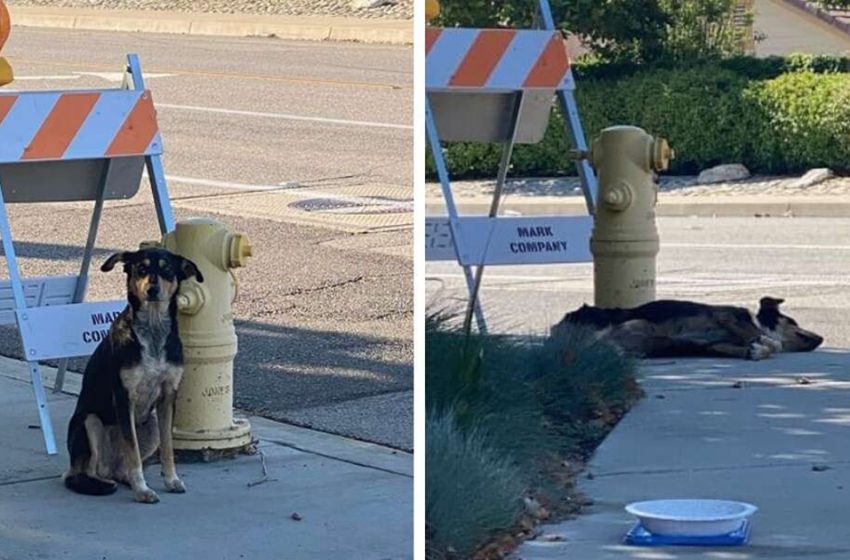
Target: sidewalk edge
(394, 32)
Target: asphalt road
(324, 311)
(736, 261)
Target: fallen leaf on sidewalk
(553, 538)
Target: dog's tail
(85, 484)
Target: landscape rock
(813, 177)
(723, 174)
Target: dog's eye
(143, 270)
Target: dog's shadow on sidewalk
(282, 368)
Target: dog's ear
(769, 303)
(123, 257)
(188, 268)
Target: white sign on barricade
(66, 331)
(510, 240)
(498, 85)
(67, 146)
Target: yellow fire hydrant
(6, 74)
(203, 416)
(624, 241)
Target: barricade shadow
(280, 368)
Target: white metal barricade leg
(454, 221)
(20, 303)
(575, 131)
(501, 177)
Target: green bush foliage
(617, 30)
(500, 407)
(471, 490)
(786, 116)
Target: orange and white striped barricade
(498, 85)
(60, 146)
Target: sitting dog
(669, 328)
(126, 405)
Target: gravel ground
(394, 9)
(675, 186)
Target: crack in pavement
(327, 456)
(716, 469)
(300, 291)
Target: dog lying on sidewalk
(670, 328)
(125, 409)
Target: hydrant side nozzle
(238, 250)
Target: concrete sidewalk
(314, 28)
(355, 500)
(738, 206)
(678, 197)
(779, 441)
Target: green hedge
(774, 116)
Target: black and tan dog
(669, 328)
(126, 405)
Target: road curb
(799, 207)
(308, 28)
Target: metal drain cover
(343, 206)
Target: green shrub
(754, 68)
(485, 382)
(500, 408)
(617, 30)
(710, 114)
(470, 489)
(804, 122)
(586, 384)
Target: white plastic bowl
(698, 518)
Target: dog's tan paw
(758, 351)
(146, 496)
(175, 486)
(772, 343)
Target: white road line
(293, 189)
(118, 77)
(40, 78)
(228, 184)
(284, 116)
(670, 282)
(755, 246)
